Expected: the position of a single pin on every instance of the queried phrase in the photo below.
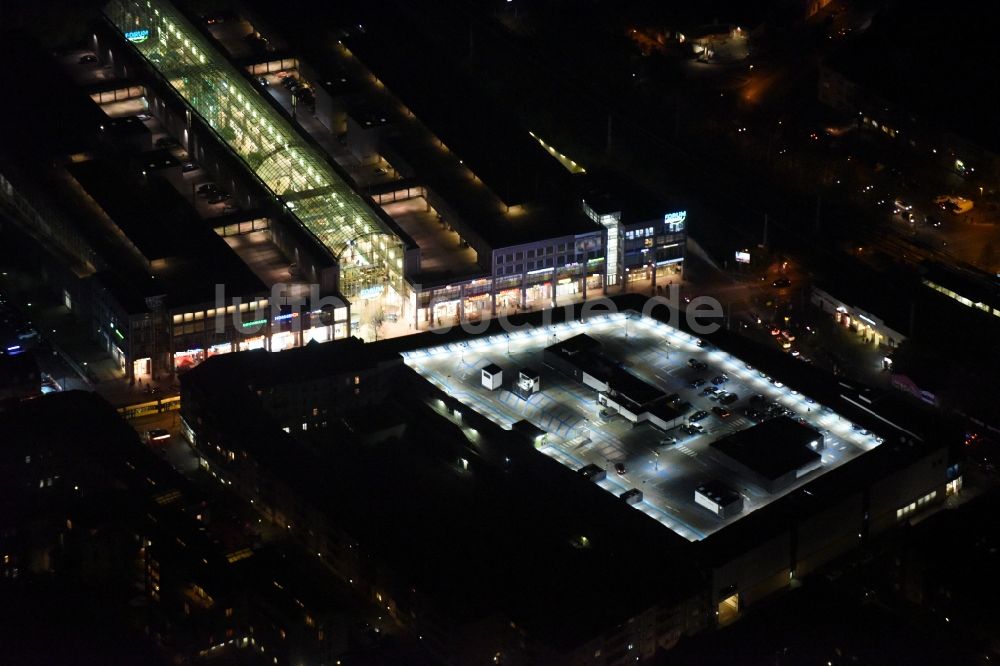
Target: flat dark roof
(125, 126)
(554, 212)
(583, 352)
(718, 492)
(136, 216)
(636, 390)
(154, 160)
(665, 411)
(368, 115)
(772, 448)
(606, 192)
(474, 127)
(336, 82)
(299, 364)
(574, 345)
(187, 258)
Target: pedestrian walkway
(860, 360)
(76, 361)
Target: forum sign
(137, 36)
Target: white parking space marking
(576, 436)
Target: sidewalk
(860, 360)
(77, 361)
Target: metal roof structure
(293, 170)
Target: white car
(157, 436)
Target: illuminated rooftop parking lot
(577, 435)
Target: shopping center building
(419, 229)
(403, 214)
(556, 529)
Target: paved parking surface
(568, 412)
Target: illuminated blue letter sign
(137, 36)
(675, 221)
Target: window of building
(913, 506)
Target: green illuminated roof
(257, 133)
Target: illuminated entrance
(142, 366)
(729, 609)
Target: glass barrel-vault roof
(322, 201)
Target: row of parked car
(214, 195)
(301, 91)
(946, 203)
